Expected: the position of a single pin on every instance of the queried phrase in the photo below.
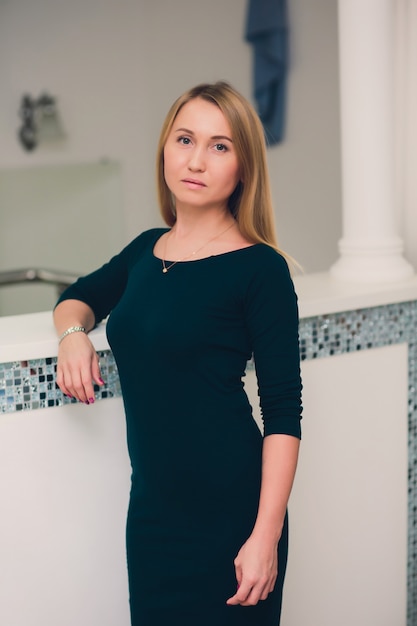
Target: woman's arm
(256, 563)
(78, 364)
(272, 320)
(70, 313)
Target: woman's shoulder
(268, 279)
(144, 240)
(266, 271)
(266, 259)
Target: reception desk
(64, 471)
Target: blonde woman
(189, 305)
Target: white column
(370, 248)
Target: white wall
(90, 55)
(407, 120)
(115, 67)
(64, 485)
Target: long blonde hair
(250, 202)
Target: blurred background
(113, 68)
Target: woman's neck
(197, 224)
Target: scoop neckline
(205, 258)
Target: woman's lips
(192, 183)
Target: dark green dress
(181, 342)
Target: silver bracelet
(69, 331)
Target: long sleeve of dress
(272, 322)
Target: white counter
(33, 336)
(321, 294)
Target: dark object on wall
(267, 31)
(39, 120)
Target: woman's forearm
(73, 313)
(257, 564)
(279, 462)
(78, 365)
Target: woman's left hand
(256, 572)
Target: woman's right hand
(78, 367)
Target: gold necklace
(165, 267)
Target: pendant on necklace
(164, 270)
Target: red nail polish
(102, 381)
(91, 400)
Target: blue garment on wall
(267, 31)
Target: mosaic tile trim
(29, 385)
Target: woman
(189, 305)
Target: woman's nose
(197, 160)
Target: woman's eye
(220, 147)
(184, 140)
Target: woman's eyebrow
(216, 137)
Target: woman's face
(200, 163)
